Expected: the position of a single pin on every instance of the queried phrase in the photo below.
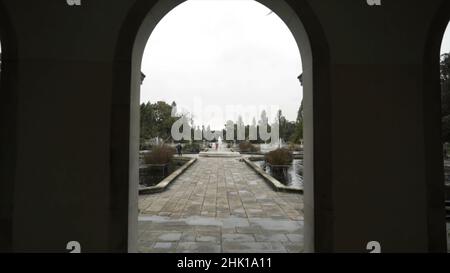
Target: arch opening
(434, 128)
(296, 27)
(445, 122)
(221, 64)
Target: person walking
(180, 150)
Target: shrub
(247, 147)
(192, 148)
(280, 157)
(144, 145)
(294, 147)
(160, 155)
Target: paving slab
(220, 205)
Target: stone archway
(377, 166)
(312, 88)
(433, 124)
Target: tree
(297, 134)
(263, 123)
(147, 124)
(287, 128)
(157, 120)
(445, 96)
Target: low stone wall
(163, 185)
(275, 184)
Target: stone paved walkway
(220, 205)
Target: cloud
(226, 53)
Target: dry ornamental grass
(247, 147)
(280, 157)
(160, 155)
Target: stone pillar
(59, 164)
(385, 182)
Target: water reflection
(151, 175)
(292, 176)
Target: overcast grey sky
(224, 53)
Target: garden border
(275, 184)
(163, 185)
